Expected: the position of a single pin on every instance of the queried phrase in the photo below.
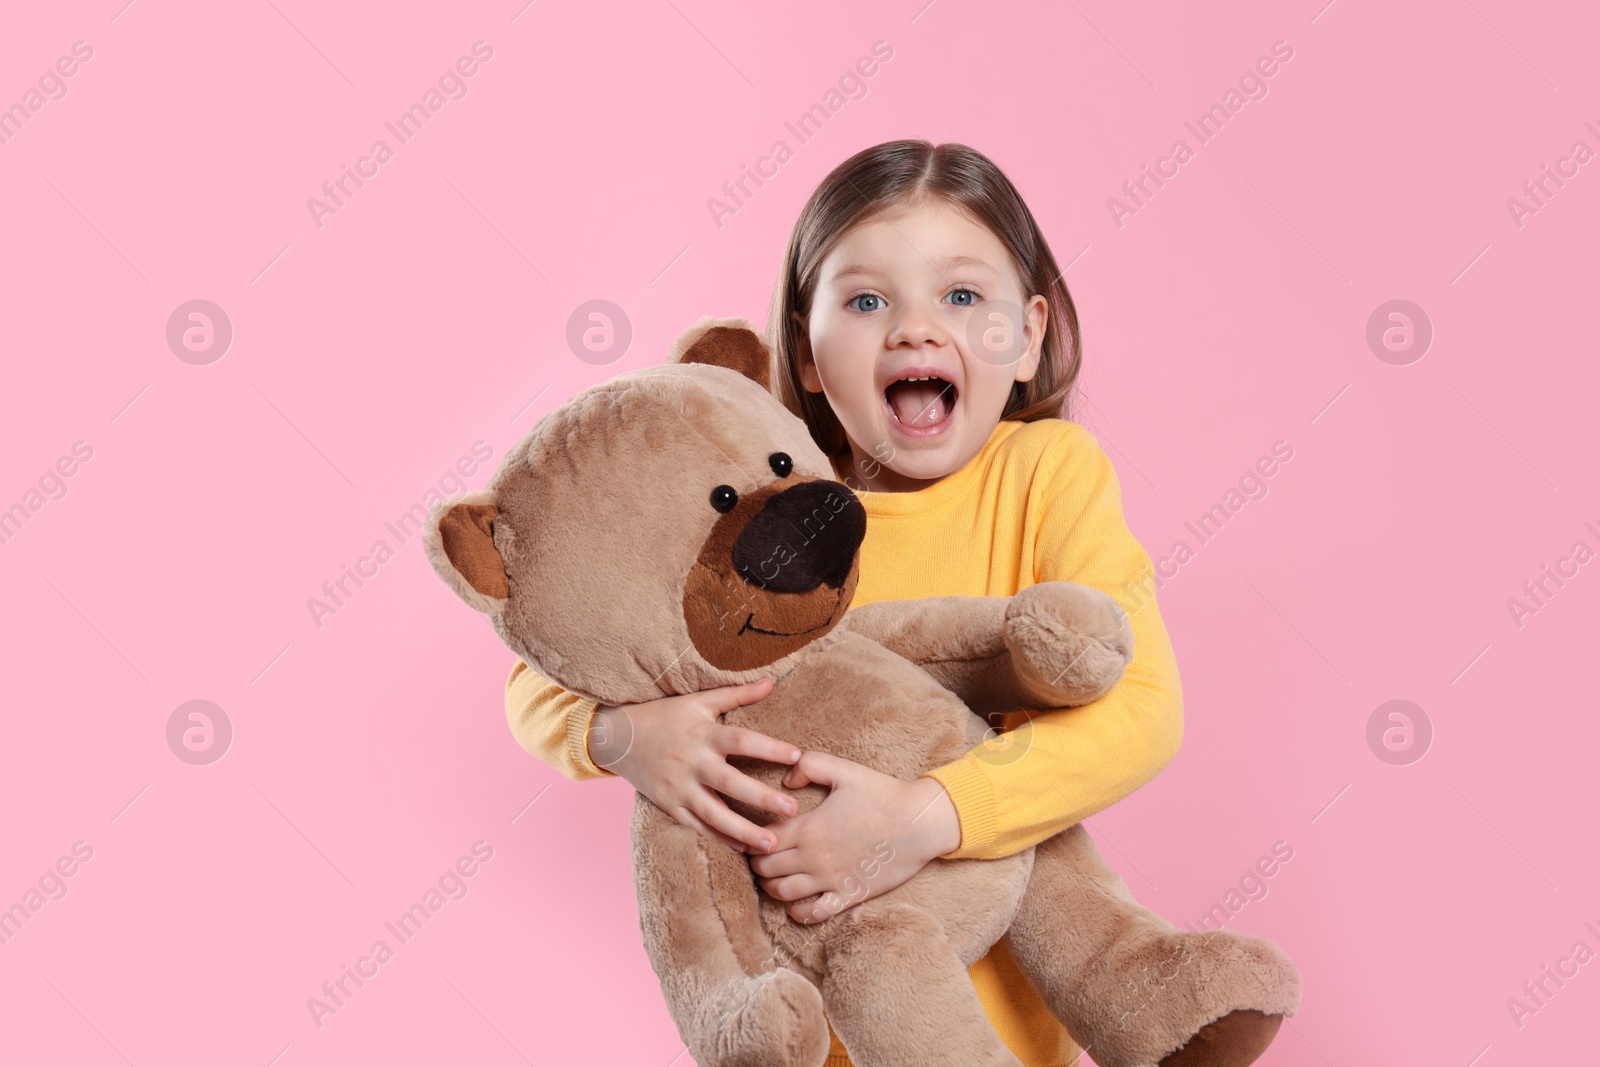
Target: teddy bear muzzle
(824, 517)
(776, 572)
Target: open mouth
(921, 402)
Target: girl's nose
(916, 326)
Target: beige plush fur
(627, 583)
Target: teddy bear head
(672, 529)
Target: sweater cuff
(973, 796)
(578, 720)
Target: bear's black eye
(781, 464)
(723, 498)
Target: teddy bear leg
(733, 1003)
(898, 995)
(1131, 988)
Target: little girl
(921, 329)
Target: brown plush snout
(777, 572)
(826, 519)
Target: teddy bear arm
(1053, 645)
(959, 640)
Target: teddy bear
(675, 528)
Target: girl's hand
(871, 833)
(675, 752)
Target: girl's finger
(711, 810)
(816, 767)
(737, 741)
(733, 784)
(793, 887)
(729, 697)
(824, 907)
(692, 821)
(778, 864)
(819, 767)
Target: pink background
(430, 312)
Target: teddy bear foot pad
(1236, 1039)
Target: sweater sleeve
(1061, 766)
(551, 722)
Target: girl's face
(918, 328)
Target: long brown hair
(899, 172)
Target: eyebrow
(941, 264)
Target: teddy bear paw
(1178, 998)
(1069, 643)
(773, 1019)
(1236, 1039)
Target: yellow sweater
(1039, 503)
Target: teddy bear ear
(731, 343)
(460, 543)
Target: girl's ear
(1034, 319)
(805, 361)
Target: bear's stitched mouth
(749, 623)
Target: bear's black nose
(801, 538)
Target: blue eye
(855, 302)
(972, 298)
